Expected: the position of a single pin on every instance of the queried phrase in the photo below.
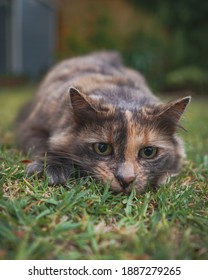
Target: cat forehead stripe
(128, 115)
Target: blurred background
(166, 40)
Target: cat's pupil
(102, 147)
(148, 151)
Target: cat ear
(84, 107)
(170, 113)
(79, 101)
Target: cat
(93, 112)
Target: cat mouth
(116, 187)
(120, 189)
(125, 191)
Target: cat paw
(58, 174)
(55, 173)
(36, 167)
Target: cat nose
(125, 181)
(125, 174)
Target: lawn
(84, 220)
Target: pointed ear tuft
(175, 109)
(82, 106)
(79, 100)
(170, 113)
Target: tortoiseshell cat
(92, 112)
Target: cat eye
(148, 152)
(103, 149)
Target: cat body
(93, 112)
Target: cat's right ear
(87, 109)
(79, 101)
(82, 106)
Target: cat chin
(116, 187)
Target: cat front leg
(57, 170)
(35, 167)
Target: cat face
(127, 149)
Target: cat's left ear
(171, 113)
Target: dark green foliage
(191, 78)
(164, 37)
(98, 37)
(185, 25)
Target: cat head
(126, 148)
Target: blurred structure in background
(27, 36)
(165, 40)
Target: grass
(84, 220)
